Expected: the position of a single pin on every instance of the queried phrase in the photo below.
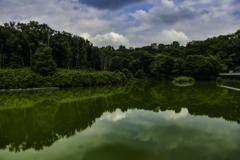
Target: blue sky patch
(236, 14)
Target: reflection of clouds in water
(168, 115)
(176, 139)
(115, 116)
(148, 135)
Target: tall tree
(43, 62)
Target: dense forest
(43, 49)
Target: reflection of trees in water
(58, 114)
(201, 99)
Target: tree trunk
(109, 63)
(143, 66)
(1, 55)
(105, 64)
(76, 63)
(93, 62)
(22, 62)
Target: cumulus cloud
(166, 37)
(170, 115)
(61, 15)
(115, 116)
(198, 19)
(112, 38)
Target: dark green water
(144, 121)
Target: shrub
(237, 68)
(127, 73)
(183, 79)
(116, 71)
(219, 80)
(139, 74)
(26, 78)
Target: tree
(16, 60)
(175, 44)
(162, 66)
(43, 62)
(178, 67)
(1, 47)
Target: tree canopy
(21, 44)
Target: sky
(132, 23)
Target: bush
(26, 78)
(139, 74)
(183, 79)
(127, 73)
(116, 71)
(219, 80)
(237, 69)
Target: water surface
(146, 120)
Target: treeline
(24, 45)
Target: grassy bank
(26, 78)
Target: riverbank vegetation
(26, 78)
(45, 51)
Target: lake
(145, 120)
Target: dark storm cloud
(235, 2)
(109, 4)
(182, 14)
(172, 18)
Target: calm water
(145, 121)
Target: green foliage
(237, 68)
(139, 74)
(183, 79)
(120, 77)
(26, 78)
(116, 71)
(16, 60)
(201, 67)
(21, 45)
(162, 66)
(127, 73)
(219, 79)
(43, 62)
(178, 67)
(184, 84)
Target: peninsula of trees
(51, 53)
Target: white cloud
(167, 3)
(112, 38)
(142, 27)
(115, 116)
(166, 37)
(170, 115)
(196, 19)
(61, 15)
